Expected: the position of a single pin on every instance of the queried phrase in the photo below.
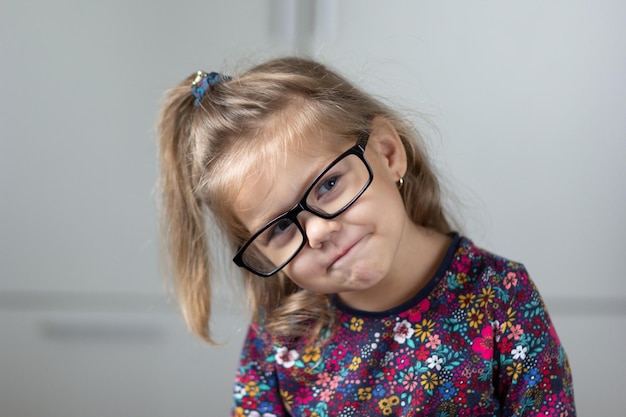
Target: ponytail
(182, 217)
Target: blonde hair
(206, 151)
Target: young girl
(365, 302)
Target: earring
(400, 183)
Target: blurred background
(522, 104)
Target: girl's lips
(344, 252)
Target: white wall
(528, 99)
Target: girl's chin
(358, 275)
(362, 278)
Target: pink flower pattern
(483, 345)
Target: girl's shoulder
(474, 260)
(476, 270)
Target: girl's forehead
(274, 153)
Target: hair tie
(205, 82)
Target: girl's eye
(327, 185)
(279, 230)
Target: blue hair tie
(205, 82)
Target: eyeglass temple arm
(363, 138)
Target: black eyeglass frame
(359, 150)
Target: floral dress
(476, 341)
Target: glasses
(330, 194)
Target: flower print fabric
(476, 341)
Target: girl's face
(358, 253)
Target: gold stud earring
(400, 183)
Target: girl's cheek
(292, 269)
(299, 267)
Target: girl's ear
(389, 146)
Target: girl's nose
(317, 229)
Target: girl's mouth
(344, 253)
